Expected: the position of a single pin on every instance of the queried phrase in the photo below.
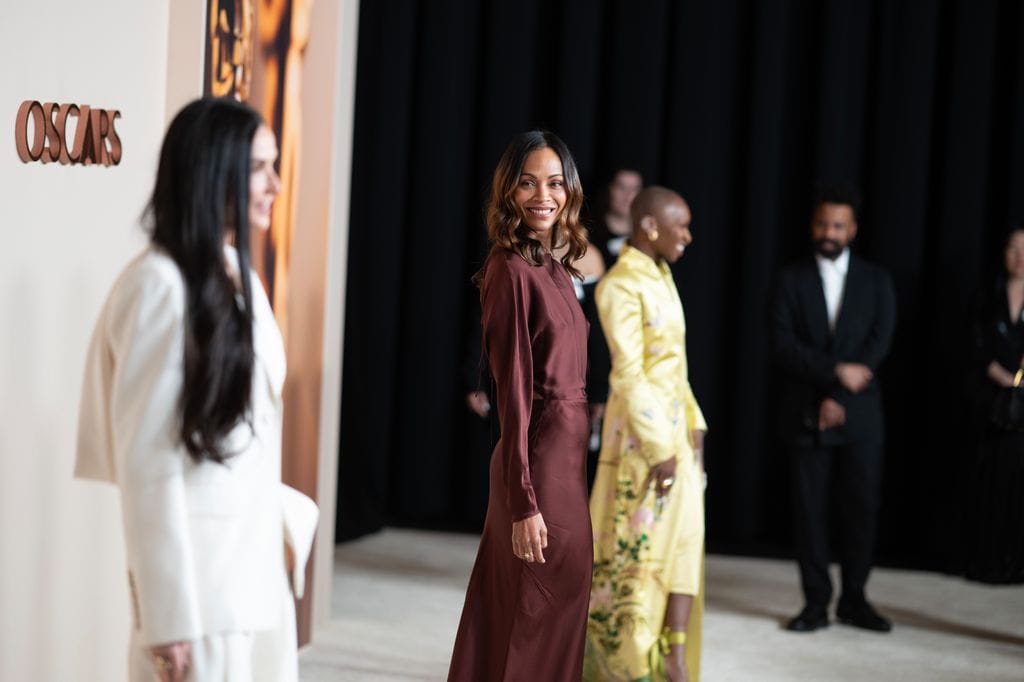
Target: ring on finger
(668, 482)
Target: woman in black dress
(612, 221)
(612, 225)
(995, 514)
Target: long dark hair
(505, 226)
(202, 195)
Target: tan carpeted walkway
(398, 596)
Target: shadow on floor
(746, 607)
(926, 621)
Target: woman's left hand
(530, 539)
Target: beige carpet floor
(398, 595)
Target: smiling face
(540, 193)
(264, 183)
(672, 223)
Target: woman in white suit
(181, 409)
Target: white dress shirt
(833, 280)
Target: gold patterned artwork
(230, 48)
(256, 53)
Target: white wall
(66, 232)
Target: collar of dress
(642, 263)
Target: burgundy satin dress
(527, 621)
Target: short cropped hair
(836, 193)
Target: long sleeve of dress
(146, 337)
(622, 318)
(505, 317)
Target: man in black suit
(832, 324)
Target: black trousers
(852, 474)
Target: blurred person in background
(647, 505)
(181, 409)
(612, 225)
(995, 513)
(477, 427)
(832, 324)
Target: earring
(652, 235)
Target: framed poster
(255, 52)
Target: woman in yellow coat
(647, 504)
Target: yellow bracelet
(675, 637)
(669, 638)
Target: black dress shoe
(808, 620)
(862, 616)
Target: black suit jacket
(807, 352)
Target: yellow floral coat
(644, 549)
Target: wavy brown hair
(505, 226)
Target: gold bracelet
(675, 637)
(670, 638)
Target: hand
(478, 403)
(675, 668)
(830, 415)
(662, 475)
(854, 376)
(530, 539)
(596, 413)
(171, 661)
(697, 443)
(999, 375)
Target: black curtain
(742, 106)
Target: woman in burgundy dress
(526, 605)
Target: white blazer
(205, 542)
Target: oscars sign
(42, 133)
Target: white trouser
(265, 656)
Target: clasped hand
(830, 415)
(854, 376)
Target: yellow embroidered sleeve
(622, 319)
